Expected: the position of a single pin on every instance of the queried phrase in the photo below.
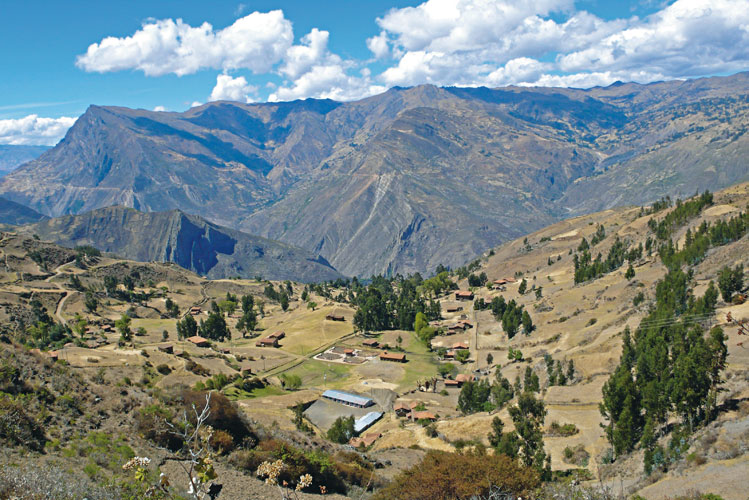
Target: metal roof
(348, 397)
(366, 421)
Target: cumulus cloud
(232, 89)
(34, 130)
(484, 42)
(378, 45)
(314, 71)
(256, 42)
(159, 108)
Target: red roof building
(392, 356)
(463, 295)
(198, 341)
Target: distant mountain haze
(12, 156)
(406, 180)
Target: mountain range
(405, 180)
(193, 243)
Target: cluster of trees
(730, 281)
(682, 212)
(512, 315)
(598, 236)
(213, 328)
(44, 332)
(587, 268)
(670, 365)
(390, 304)
(556, 371)
(111, 285)
(697, 243)
(481, 396)
(281, 296)
(477, 280)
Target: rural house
(393, 356)
(347, 398)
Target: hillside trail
(65, 293)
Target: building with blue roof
(347, 398)
(365, 422)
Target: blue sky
(59, 57)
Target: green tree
(342, 430)
(284, 301)
(730, 281)
(527, 323)
(489, 359)
(91, 302)
(110, 285)
(187, 328)
(123, 327)
(420, 322)
(528, 416)
(462, 355)
(446, 369)
(214, 327)
(630, 272)
(523, 287)
(248, 321)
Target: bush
(325, 470)
(19, 428)
(221, 442)
(164, 369)
(152, 422)
(565, 430)
(577, 455)
(223, 414)
(197, 369)
(443, 476)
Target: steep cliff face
(405, 180)
(189, 241)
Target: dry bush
(224, 414)
(221, 441)
(443, 476)
(152, 422)
(48, 482)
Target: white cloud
(159, 108)
(314, 71)
(256, 42)
(328, 82)
(34, 130)
(378, 45)
(485, 42)
(300, 58)
(232, 89)
(195, 104)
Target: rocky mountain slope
(14, 213)
(405, 180)
(187, 240)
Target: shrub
(163, 369)
(19, 428)
(223, 415)
(197, 369)
(577, 455)
(221, 441)
(443, 476)
(565, 430)
(152, 422)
